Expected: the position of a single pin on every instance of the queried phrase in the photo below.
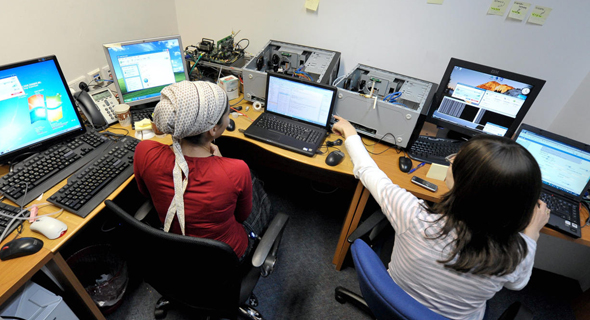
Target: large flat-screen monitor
(36, 108)
(476, 99)
(142, 68)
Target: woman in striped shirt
(455, 255)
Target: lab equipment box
(382, 104)
(318, 65)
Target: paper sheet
(312, 4)
(498, 7)
(539, 15)
(437, 171)
(519, 10)
(435, 1)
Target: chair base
(344, 295)
(249, 313)
(161, 309)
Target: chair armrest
(367, 226)
(143, 211)
(266, 251)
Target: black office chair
(202, 275)
(383, 298)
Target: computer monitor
(476, 99)
(36, 107)
(142, 68)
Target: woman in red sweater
(195, 190)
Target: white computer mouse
(49, 227)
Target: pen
(417, 167)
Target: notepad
(437, 171)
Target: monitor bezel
(306, 82)
(41, 145)
(156, 99)
(537, 85)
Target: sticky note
(312, 4)
(435, 1)
(519, 10)
(498, 7)
(437, 171)
(539, 15)
(144, 124)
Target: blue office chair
(382, 297)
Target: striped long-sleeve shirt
(414, 265)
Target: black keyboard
(433, 150)
(294, 130)
(42, 171)
(93, 183)
(4, 221)
(562, 208)
(140, 114)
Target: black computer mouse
(405, 164)
(334, 158)
(20, 247)
(231, 125)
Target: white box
(231, 87)
(34, 302)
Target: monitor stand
(452, 135)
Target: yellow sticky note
(539, 15)
(435, 1)
(144, 124)
(312, 4)
(498, 7)
(437, 171)
(519, 10)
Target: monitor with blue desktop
(476, 99)
(36, 108)
(142, 68)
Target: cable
(238, 111)
(378, 141)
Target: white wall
(414, 38)
(74, 31)
(574, 119)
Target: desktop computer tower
(382, 104)
(318, 65)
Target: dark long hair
(497, 186)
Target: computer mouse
(49, 227)
(20, 247)
(334, 158)
(405, 164)
(231, 125)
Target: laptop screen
(299, 99)
(563, 167)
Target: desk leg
(62, 272)
(355, 211)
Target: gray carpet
(302, 285)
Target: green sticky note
(498, 7)
(435, 1)
(539, 15)
(519, 10)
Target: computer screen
(142, 68)
(36, 107)
(303, 100)
(475, 99)
(564, 165)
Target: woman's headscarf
(186, 109)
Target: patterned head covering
(186, 109)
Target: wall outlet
(92, 76)
(74, 84)
(105, 73)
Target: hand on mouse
(539, 219)
(343, 127)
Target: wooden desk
(16, 272)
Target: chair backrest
(199, 273)
(384, 297)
